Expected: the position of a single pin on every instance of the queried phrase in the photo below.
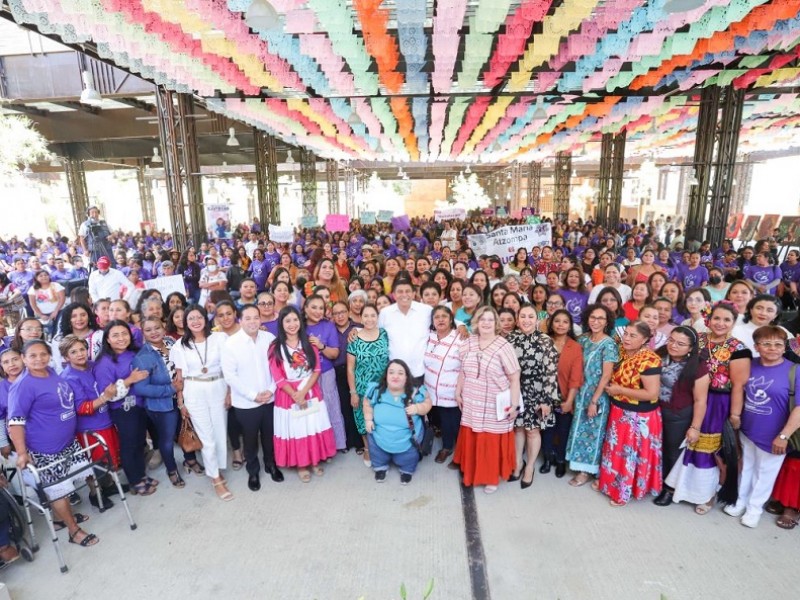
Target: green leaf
(428, 590)
(403, 593)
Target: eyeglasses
(771, 344)
(674, 342)
(555, 304)
(594, 318)
(31, 329)
(265, 303)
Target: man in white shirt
(407, 323)
(251, 245)
(105, 282)
(449, 237)
(245, 367)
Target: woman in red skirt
(631, 460)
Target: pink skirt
(302, 438)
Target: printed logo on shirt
(757, 398)
(67, 401)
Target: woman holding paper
(488, 393)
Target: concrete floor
(342, 537)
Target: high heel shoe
(513, 477)
(176, 480)
(526, 484)
(192, 466)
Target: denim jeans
(406, 461)
(165, 424)
(131, 426)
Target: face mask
(715, 280)
(212, 268)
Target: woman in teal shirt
(394, 405)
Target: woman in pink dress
(303, 433)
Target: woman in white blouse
(203, 394)
(442, 365)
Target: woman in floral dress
(367, 359)
(538, 361)
(591, 404)
(696, 475)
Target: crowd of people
(639, 361)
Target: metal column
(516, 185)
(562, 186)
(350, 190)
(78, 192)
(617, 173)
(743, 174)
(606, 149)
(717, 139)
(146, 193)
(176, 127)
(332, 178)
(266, 178)
(308, 182)
(535, 187)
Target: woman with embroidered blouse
(631, 461)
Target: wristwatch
(783, 437)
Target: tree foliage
(20, 144)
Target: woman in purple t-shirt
(42, 424)
(113, 367)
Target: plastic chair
(42, 503)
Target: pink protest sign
(335, 223)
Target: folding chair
(40, 501)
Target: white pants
(759, 472)
(205, 401)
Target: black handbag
(424, 447)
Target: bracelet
(180, 406)
(695, 428)
(324, 347)
(353, 392)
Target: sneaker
(155, 460)
(750, 519)
(405, 478)
(380, 476)
(74, 499)
(734, 510)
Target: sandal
(151, 481)
(616, 504)
(787, 521)
(225, 496)
(89, 539)
(192, 466)
(318, 471)
(595, 485)
(304, 475)
(774, 507)
(703, 509)
(359, 451)
(79, 518)
(176, 480)
(579, 480)
(237, 463)
(8, 554)
(143, 489)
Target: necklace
(204, 358)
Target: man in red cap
(105, 282)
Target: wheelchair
(9, 505)
(38, 499)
